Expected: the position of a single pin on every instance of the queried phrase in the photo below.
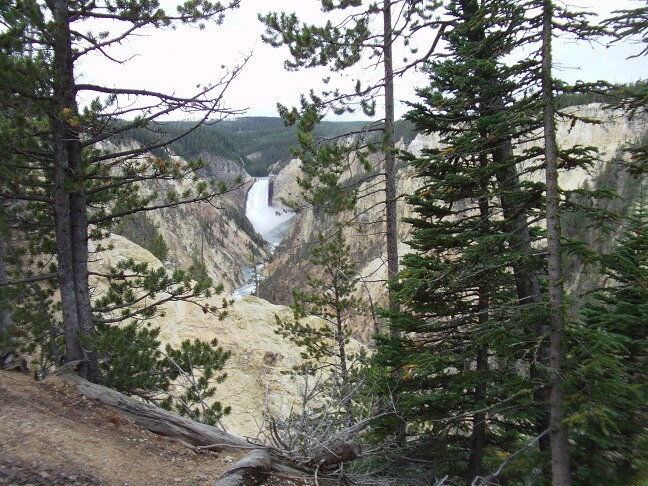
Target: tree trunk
(390, 155)
(8, 361)
(260, 462)
(158, 420)
(5, 312)
(478, 436)
(70, 217)
(527, 281)
(560, 467)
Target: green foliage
(134, 287)
(182, 380)
(609, 364)
(130, 359)
(196, 367)
(330, 296)
(141, 230)
(630, 24)
(466, 354)
(332, 376)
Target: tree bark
(560, 467)
(527, 282)
(5, 312)
(248, 470)
(478, 435)
(390, 154)
(70, 216)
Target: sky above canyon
(179, 60)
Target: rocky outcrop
(256, 384)
(285, 183)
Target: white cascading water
(268, 221)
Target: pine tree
(341, 46)
(58, 164)
(457, 288)
(330, 296)
(632, 25)
(608, 364)
(475, 100)
(332, 402)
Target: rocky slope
(256, 384)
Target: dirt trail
(52, 435)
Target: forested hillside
(255, 143)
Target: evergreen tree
(83, 188)
(472, 202)
(463, 336)
(632, 25)
(341, 45)
(332, 403)
(330, 296)
(608, 364)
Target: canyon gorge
(257, 384)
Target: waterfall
(268, 221)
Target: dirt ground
(51, 435)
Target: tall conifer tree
(343, 44)
(85, 189)
(484, 107)
(463, 333)
(608, 367)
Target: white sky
(178, 60)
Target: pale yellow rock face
(611, 132)
(255, 382)
(285, 183)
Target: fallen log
(250, 469)
(158, 420)
(254, 466)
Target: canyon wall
(215, 233)
(289, 265)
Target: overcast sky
(178, 60)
